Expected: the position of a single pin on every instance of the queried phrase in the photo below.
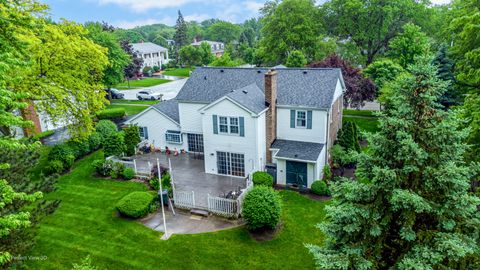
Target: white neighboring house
(217, 47)
(248, 119)
(152, 54)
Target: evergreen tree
(445, 72)
(410, 208)
(181, 35)
(132, 139)
(348, 136)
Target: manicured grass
(86, 223)
(180, 72)
(146, 82)
(359, 113)
(141, 102)
(369, 124)
(129, 109)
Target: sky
(130, 13)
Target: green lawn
(369, 124)
(129, 109)
(146, 82)
(141, 102)
(86, 223)
(180, 72)
(359, 113)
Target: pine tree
(180, 37)
(410, 207)
(445, 65)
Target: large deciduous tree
(289, 26)
(370, 24)
(190, 56)
(383, 71)
(224, 32)
(408, 45)
(359, 89)
(410, 207)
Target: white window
(301, 119)
(143, 132)
(173, 136)
(229, 125)
(223, 124)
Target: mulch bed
(316, 197)
(263, 235)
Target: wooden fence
(184, 199)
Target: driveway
(169, 90)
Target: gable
(226, 106)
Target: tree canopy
(408, 45)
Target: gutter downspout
(328, 136)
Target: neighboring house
(217, 47)
(41, 122)
(249, 119)
(152, 54)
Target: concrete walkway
(168, 90)
(185, 223)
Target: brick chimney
(271, 114)
(30, 114)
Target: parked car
(149, 95)
(116, 94)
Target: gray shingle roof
(295, 86)
(147, 47)
(249, 96)
(306, 151)
(169, 108)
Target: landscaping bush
(55, 166)
(95, 141)
(136, 204)
(114, 113)
(348, 136)
(166, 184)
(342, 158)
(327, 173)
(156, 68)
(103, 167)
(147, 71)
(262, 179)
(79, 148)
(117, 170)
(132, 139)
(128, 174)
(106, 128)
(114, 145)
(68, 162)
(261, 208)
(320, 187)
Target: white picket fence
(222, 206)
(184, 199)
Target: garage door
(296, 173)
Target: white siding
(190, 117)
(247, 145)
(319, 166)
(157, 125)
(317, 134)
(338, 91)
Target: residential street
(169, 90)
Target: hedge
(136, 204)
(261, 208)
(262, 179)
(114, 113)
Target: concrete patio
(189, 175)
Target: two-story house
(243, 119)
(217, 48)
(152, 54)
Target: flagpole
(161, 196)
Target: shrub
(261, 208)
(114, 113)
(342, 158)
(320, 187)
(128, 174)
(147, 71)
(68, 162)
(95, 141)
(262, 179)
(132, 139)
(348, 136)
(114, 145)
(327, 173)
(136, 204)
(156, 68)
(61, 152)
(154, 184)
(103, 167)
(106, 128)
(79, 148)
(43, 135)
(55, 166)
(117, 170)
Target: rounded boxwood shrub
(262, 179)
(55, 166)
(128, 174)
(261, 208)
(95, 141)
(320, 187)
(136, 204)
(106, 128)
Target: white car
(149, 95)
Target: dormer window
(301, 120)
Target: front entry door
(297, 173)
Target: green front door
(296, 173)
